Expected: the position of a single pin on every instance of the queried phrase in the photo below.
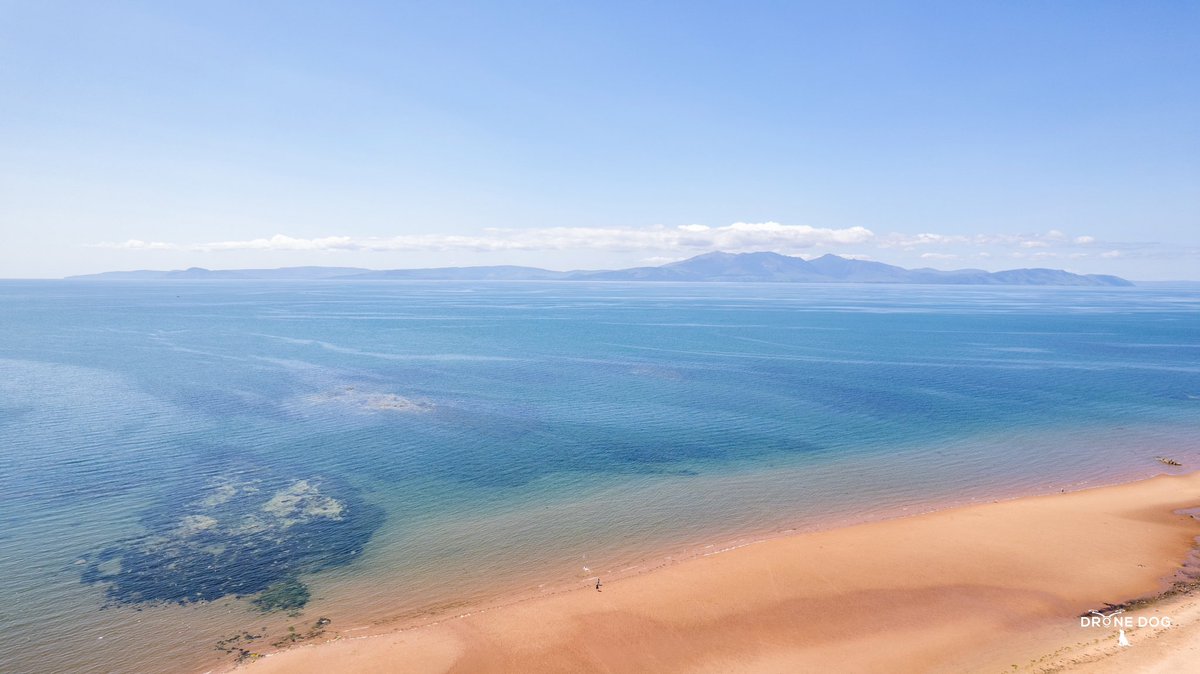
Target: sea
(193, 472)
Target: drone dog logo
(1121, 622)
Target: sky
(568, 135)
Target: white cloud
(907, 241)
(740, 236)
(938, 256)
(1111, 254)
(1050, 239)
(138, 244)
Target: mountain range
(739, 267)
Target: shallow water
(397, 446)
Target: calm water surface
(369, 451)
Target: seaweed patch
(245, 532)
(238, 644)
(290, 595)
(293, 636)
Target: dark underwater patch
(289, 595)
(241, 533)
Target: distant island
(764, 267)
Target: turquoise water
(171, 451)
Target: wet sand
(981, 588)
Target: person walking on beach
(597, 583)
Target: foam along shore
(979, 588)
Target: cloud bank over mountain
(661, 243)
(737, 236)
(557, 246)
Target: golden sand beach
(996, 587)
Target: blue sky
(588, 135)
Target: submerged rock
(290, 595)
(245, 532)
(349, 397)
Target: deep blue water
(176, 444)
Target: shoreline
(1005, 578)
(636, 561)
